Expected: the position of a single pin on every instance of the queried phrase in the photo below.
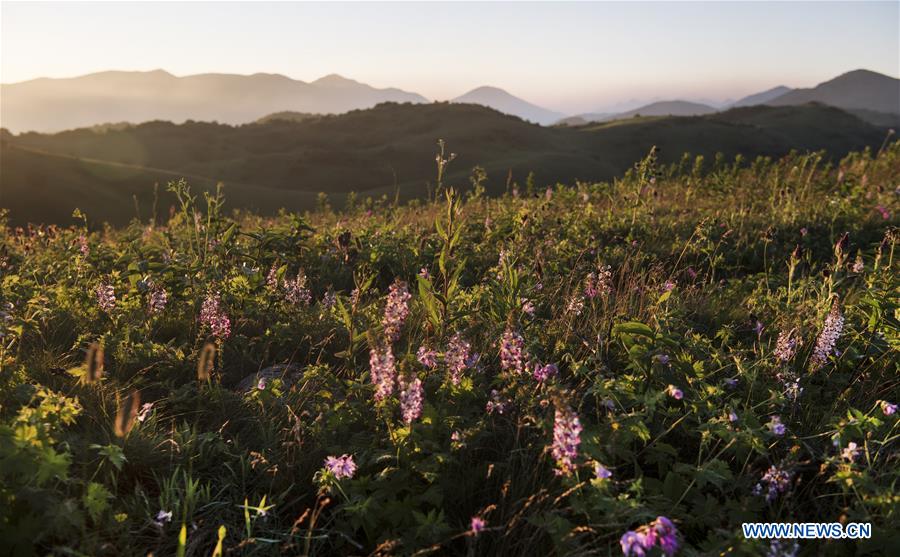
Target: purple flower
(776, 427)
(602, 472)
(329, 299)
(675, 392)
(598, 283)
(396, 310)
(341, 466)
(212, 316)
(272, 278)
(858, 265)
(513, 356)
(885, 214)
(496, 404)
(850, 452)
(668, 286)
(83, 246)
(427, 357)
(528, 307)
(575, 305)
(887, 408)
(411, 397)
(261, 385)
(296, 291)
(162, 517)
(477, 525)
(383, 373)
(543, 373)
(786, 346)
(666, 535)
(831, 331)
(633, 544)
(732, 416)
(157, 299)
(663, 359)
(423, 272)
(783, 548)
(774, 482)
(566, 438)
(457, 357)
(106, 296)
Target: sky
(571, 57)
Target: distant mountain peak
(504, 101)
(335, 79)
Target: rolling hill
(383, 150)
(498, 99)
(856, 90)
(57, 104)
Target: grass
(650, 307)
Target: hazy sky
(566, 56)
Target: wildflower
(423, 272)
(669, 285)
(601, 472)
(261, 385)
(675, 392)
(528, 307)
(887, 408)
(512, 351)
(162, 517)
(83, 246)
(633, 544)
(566, 438)
(850, 452)
(457, 356)
(411, 396)
(599, 283)
(272, 278)
(666, 535)
(495, 404)
(427, 357)
(731, 382)
(396, 310)
(885, 214)
(732, 416)
(793, 389)
(691, 273)
(477, 525)
(758, 327)
(543, 373)
(781, 548)
(575, 305)
(831, 331)
(329, 300)
(663, 359)
(106, 296)
(296, 291)
(157, 300)
(776, 427)
(212, 316)
(858, 265)
(341, 466)
(785, 346)
(774, 482)
(146, 408)
(381, 362)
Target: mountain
(856, 90)
(763, 97)
(289, 115)
(56, 104)
(500, 100)
(667, 108)
(388, 149)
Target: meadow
(630, 367)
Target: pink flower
(887, 408)
(396, 310)
(566, 438)
(831, 331)
(411, 397)
(382, 371)
(457, 357)
(106, 296)
(477, 525)
(212, 316)
(675, 392)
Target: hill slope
(57, 104)
(391, 148)
(498, 99)
(667, 108)
(763, 97)
(859, 89)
